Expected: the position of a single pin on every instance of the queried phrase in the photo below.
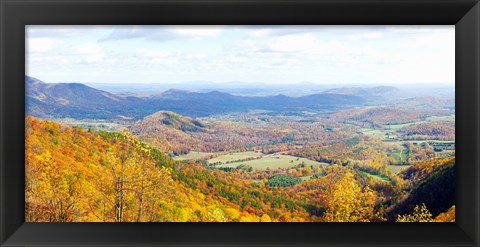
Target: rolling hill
(377, 116)
(179, 134)
(78, 101)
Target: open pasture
(272, 161)
(232, 157)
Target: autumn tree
(347, 202)
(448, 216)
(420, 214)
(134, 181)
(53, 193)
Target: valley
(238, 157)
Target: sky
(382, 55)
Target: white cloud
(162, 33)
(88, 48)
(365, 36)
(40, 44)
(444, 39)
(198, 32)
(88, 52)
(274, 54)
(260, 32)
(156, 57)
(293, 43)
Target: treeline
(440, 130)
(377, 116)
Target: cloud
(365, 36)
(197, 32)
(88, 52)
(293, 43)
(271, 53)
(257, 33)
(156, 57)
(162, 33)
(56, 31)
(444, 39)
(40, 44)
(306, 54)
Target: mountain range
(76, 100)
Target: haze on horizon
(342, 55)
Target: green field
(392, 129)
(272, 161)
(372, 132)
(399, 126)
(422, 141)
(192, 156)
(306, 178)
(382, 178)
(235, 156)
(399, 155)
(441, 118)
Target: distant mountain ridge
(379, 92)
(75, 100)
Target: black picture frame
(15, 14)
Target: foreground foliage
(74, 175)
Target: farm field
(273, 161)
(229, 157)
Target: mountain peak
(171, 120)
(32, 80)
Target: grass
(421, 141)
(372, 132)
(272, 161)
(306, 178)
(441, 118)
(382, 178)
(235, 156)
(192, 156)
(399, 155)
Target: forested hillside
(77, 175)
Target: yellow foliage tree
(420, 214)
(346, 202)
(133, 182)
(265, 218)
